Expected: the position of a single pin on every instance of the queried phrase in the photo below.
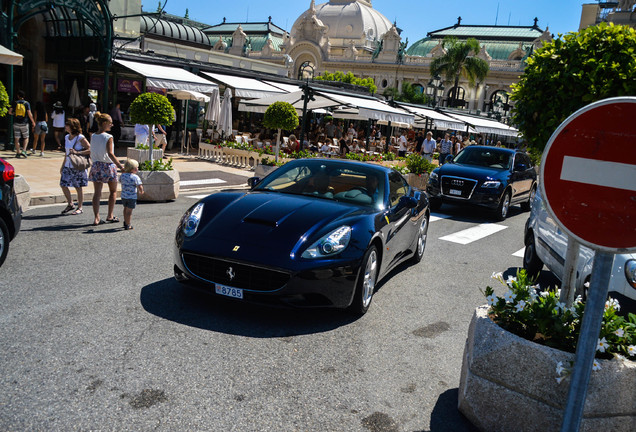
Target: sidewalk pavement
(42, 173)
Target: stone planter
(159, 185)
(508, 383)
(22, 192)
(418, 181)
(143, 155)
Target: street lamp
(435, 90)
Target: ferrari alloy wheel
(503, 207)
(421, 240)
(366, 282)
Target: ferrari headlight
(630, 272)
(330, 244)
(191, 220)
(491, 184)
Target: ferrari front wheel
(367, 279)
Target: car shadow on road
(170, 300)
(474, 213)
(546, 279)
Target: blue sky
(414, 17)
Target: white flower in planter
(520, 306)
(601, 345)
(619, 332)
(631, 350)
(596, 366)
(509, 296)
(491, 299)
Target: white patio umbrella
(225, 116)
(187, 95)
(9, 57)
(214, 107)
(74, 101)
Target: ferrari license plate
(455, 192)
(229, 291)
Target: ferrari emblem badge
(235, 248)
(230, 273)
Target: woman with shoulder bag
(74, 143)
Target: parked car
(491, 177)
(313, 233)
(10, 211)
(547, 244)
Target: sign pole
(588, 339)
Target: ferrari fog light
(630, 272)
(192, 219)
(330, 244)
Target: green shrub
(151, 109)
(416, 164)
(4, 101)
(156, 165)
(281, 115)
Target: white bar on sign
(473, 234)
(200, 182)
(601, 173)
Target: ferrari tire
(421, 240)
(367, 279)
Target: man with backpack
(21, 110)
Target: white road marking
(201, 182)
(473, 234)
(519, 253)
(601, 173)
(438, 216)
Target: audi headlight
(630, 272)
(433, 177)
(191, 220)
(491, 184)
(330, 244)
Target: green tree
(570, 72)
(408, 94)
(459, 60)
(280, 115)
(348, 78)
(151, 109)
(4, 101)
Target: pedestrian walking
(118, 121)
(74, 143)
(428, 146)
(58, 116)
(445, 149)
(41, 127)
(104, 168)
(402, 145)
(160, 137)
(21, 110)
(141, 134)
(130, 185)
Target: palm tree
(459, 60)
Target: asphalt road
(97, 335)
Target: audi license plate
(455, 192)
(229, 291)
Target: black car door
(400, 233)
(521, 178)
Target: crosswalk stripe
(438, 216)
(519, 253)
(201, 182)
(473, 234)
(197, 197)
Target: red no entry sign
(588, 175)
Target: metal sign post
(588, 339)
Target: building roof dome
(347, 19)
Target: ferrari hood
(270, 223)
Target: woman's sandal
(128, 227)
(78, 211)
(68, 208)
(113, 220)
(100, 222)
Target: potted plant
(150, 109)
(419, 169)
(160, 179)
(280, 115)
(519, 353)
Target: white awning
(248, 88)
(189, 95)
(168, 77)
(289, 88)
(440, 120)
(484, 125)
(9, 57)
(367, 108)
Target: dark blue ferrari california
(490, 177)
(314, 233)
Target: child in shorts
(130, 185)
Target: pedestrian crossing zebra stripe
(201, 182)
(519, 253)
(475, 233)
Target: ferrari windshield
(490, 157)
(329, 180)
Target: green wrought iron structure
(95, 14)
